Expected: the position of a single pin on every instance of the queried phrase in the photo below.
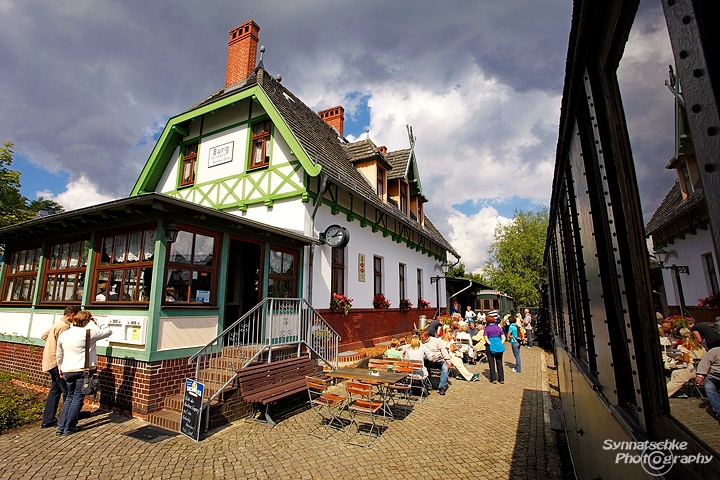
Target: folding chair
(467, 349)
(419, 378)
(326, 406)
(403, 388)
(360, 402)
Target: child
(394, 350)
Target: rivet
(698, 72)
(710, 167)
(683, 54)
(671, 2)
(712, 131)
(696, 108)
(687, 19)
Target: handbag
(91, 381)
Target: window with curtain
(192, 268)
(64, 276)
(21, 274)
(338, 271)
(123, 270)
(282, 277)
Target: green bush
(17, 408)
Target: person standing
(514, 334)
(708, 374)
(495, 341)
(71, 351)
(49, 364)
(704, 333)
(527, 323)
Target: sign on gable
(220, 154)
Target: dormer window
(188, 164)
(403, 197)
(260, 155)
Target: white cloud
(78, 194)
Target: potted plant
(379, 301)
(711, 301)
(339, 302)
(405, 304)
(423, 304)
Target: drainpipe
(321, 194)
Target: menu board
(192, 409)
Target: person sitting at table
(456, 356)
(691, 352)
(436, 356)
(416, 351)
(394, 350)
(464, 337)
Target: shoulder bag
(91, 382)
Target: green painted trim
(158, 277)
(257, 94)
(39, 278)
(222, 279)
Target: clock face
(336, 236)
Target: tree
(14, 207)
(516, 257)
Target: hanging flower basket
(423, 304)
(405, 304)
(379, 301)
(340, 303)
(711, 301)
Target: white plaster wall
(690, 251)
(41, 322)
(363, 240)
(181, 332)
(168, 182)
(288, 214)
(238, 136)
(15, 323)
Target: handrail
(274, 329)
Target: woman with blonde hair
(71, 358)
(456, 356)
(692, 352)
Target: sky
(86, 87)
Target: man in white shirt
(436, 356)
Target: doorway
(243, 279)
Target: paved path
(477, 430)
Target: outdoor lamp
(171, 232)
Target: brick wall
(365, 327)
(126, 384)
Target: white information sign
(220, 154)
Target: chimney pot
(383, 149)
(242, 52)
(335, 117)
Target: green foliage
(516, 257)
(14, 207)
(17, 409)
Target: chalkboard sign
(191, 409)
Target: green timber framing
(217, 193)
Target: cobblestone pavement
(477, 430)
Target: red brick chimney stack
(242, 52)
(335, 117)
(383, 149)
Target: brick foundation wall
(126, 384)
(365, 327)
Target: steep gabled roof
(315, 144)
(672, 207)
(399, 160)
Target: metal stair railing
(261, 335)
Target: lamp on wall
(662, 256)
(171, 232)
(444, 267)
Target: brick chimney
(335, 117)
(242, 52)
(383, 149)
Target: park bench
(265, 384)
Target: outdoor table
(382, 380)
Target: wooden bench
(265, 384)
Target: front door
(243, 279)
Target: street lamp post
(444, 267)
(662, 255)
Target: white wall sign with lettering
(220, 154)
